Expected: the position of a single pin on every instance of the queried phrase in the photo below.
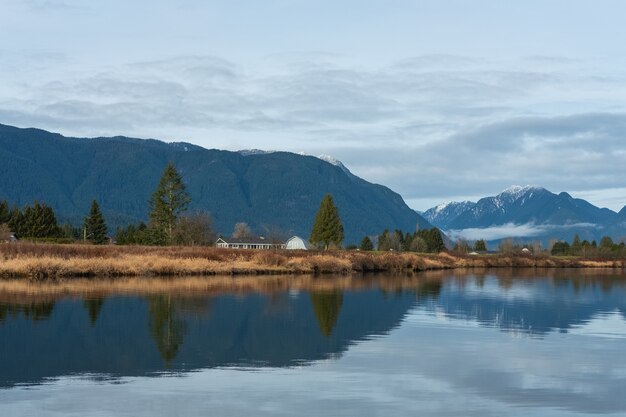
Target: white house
(296, 242)
(247, 243)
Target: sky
(437, 99)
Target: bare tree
(275, 234)
(194, 230)
(506, 245)
(242, 230)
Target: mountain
(543, 213)
(445, 213)
(264, 189)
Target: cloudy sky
(439, 100)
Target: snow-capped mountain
(445, 213)
(534, 207)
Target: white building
(297, 243)
(247, 243)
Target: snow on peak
(516, 191)
(441, 207)
(330, 160)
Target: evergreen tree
(327, 227)
(384, 243)
(16, 221)
(606, 243)
(5, 213)
(576, 247)
(480, 246)
(94, 226)
(168, 201)
(366, 244)
(435, 241)
(560, 248)
(132, 235)
(37, 221)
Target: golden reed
(50, 261)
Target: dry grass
(48, 261)
(15, 289)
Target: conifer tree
(435, 244)
(480, 246)
(16, 221)
(94, 226)
(5, 213)
(168, 201)
(366, 244)
(327, 228)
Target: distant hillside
(544, 214)
(276, 189)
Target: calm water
(490, 344)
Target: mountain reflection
(47, 336)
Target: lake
(470, 343)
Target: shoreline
(43, 262)
(27, 291)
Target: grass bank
(50, 261)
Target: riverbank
(48, 261)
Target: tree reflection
(93, 306)
(166, 328)
(35, 311)
(327, 306)
(429, 290)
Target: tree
(480, 246)
(132, 235)
(366, 244)
(461, 246)
(560, 249)
(606, 243)
(507, 246)
(327, 227)
(576, 247)
(94, 226)
(242, 230)
(5, 212)
(275, 234)
(194, 230)
(168, 201)
(37, 221)
(435, 242)
(418, 244)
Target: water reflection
(117, 335)
(327, 307)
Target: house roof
(304, 241)
(247, 240)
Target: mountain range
(264, 189)
(528, 212)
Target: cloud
(514, 230)
(430, 127)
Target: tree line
(606, 248)
(424, 241)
